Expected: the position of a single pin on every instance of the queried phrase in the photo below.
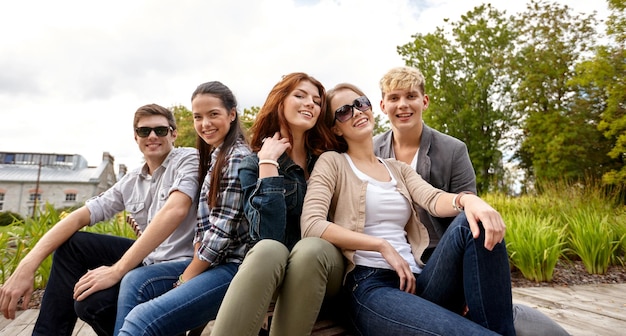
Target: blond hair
(402, 78)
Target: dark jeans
(460, 271)
(82, 252)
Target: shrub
(593, 238)
(8, 217)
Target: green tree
(469, 89)
(612, 59)
(184, 122)
(381, 124)
(248, 116)
(559, 139)
(596, 100)
(187, 134)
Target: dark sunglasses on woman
(346, 112)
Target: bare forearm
(347, 239)
(444, 205)
(196, 266)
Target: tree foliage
(187, 136)
(465, 79)
(248, 116)
(184, 122)
(607, 74)
(600, 84)
(558, 136)
(381, 124)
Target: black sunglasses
(346, 112)
(161, 131)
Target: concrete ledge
(583, 310)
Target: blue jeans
(185, 307)
(145, 283)
(460, 271)
(81, 252)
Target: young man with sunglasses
(442, 161)
(161, 196)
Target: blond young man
(442, 161)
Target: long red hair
(271, 117)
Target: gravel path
(568, 273)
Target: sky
(73, 72)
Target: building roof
(24, 173)
(73, 169)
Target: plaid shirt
(223, 230)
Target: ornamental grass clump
(23, 235)
(534, 243)
(593, 238)
(619, 257)
(17, 239)
(4, 255)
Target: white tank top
(386, 215)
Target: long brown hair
(271, 116)
(223, 93)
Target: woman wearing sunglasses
(288, 134)
(366, 206)
(187, 294)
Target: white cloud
(72, 73)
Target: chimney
(106, 156)
(121, 171)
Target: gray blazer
(443, 161)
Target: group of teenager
(306, 210)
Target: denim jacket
(273, 205)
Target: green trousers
(299, 281)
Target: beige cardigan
(335, 194)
